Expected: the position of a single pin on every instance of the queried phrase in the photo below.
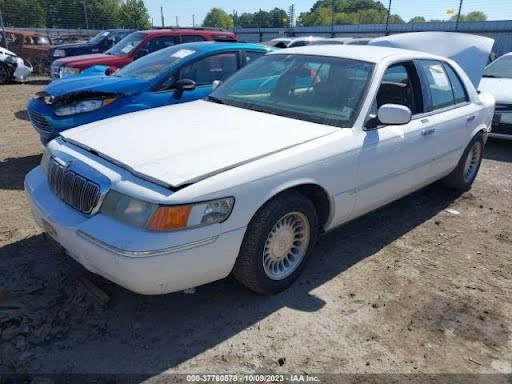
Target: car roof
(371, 54)
(182, 31)
(212, 46)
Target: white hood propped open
(471, 52)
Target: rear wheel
(5, 74)
(464, 175)
(278, 241)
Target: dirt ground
(411, 288)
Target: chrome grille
(503, 107)
(75, 190)
(39, 121)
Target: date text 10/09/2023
(253, 378)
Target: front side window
(159, 43)
(318, 89)
(439, 84)
(500, 68)
(398, 86)
(149, 67)
(206, 70)
(127, 45)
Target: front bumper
(502, 125)
(176, 266)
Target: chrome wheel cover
(472, 162)
(286, 245)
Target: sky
(430, 9)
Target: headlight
(67, 71)
(59, 53)
(165, 218)
(127, 209)
(169, 218)
(45, 159)
(83, 107)
(11, 59)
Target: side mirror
(215, 84)
(394, 114)
(182, 86)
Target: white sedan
(246, 180)
(497, 80)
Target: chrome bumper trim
(149, 253)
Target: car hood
(72, 46)
(499, 88)
(182, 144)
(471, 52)
(88, 60)
(95, 84)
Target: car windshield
(128, 44)
(318, 89)
(500, 68)
(149, 67)
(99, 37)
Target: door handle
(470, 118)
(428, 131)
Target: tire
(277, 244)
(5, 74)
(463, 176)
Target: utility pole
(193, 21)
(259, 25)
(291, 19)
(3, 30)
(162, 16)
(86, 17)
(333, 16)
(458, 15)
(387, 18)
(177, 25)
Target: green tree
(471, 16)
(23, 13)
(217, 18)
(246, 20)
(103, 14)
(134, 14)
(278, 17)
(418, 19)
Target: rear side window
(459, 91)
(251, 56)
(191, 38)
(439, 84)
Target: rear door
(448, 106)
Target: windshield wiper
(493, 76)
(215, 99)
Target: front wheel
(5, 74)
(278, 241)
(463, 176)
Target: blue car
(173, 75)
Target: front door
(395, 160)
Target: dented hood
(471, 52)
(178, 145)
(95, 84)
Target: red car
(135, 46)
